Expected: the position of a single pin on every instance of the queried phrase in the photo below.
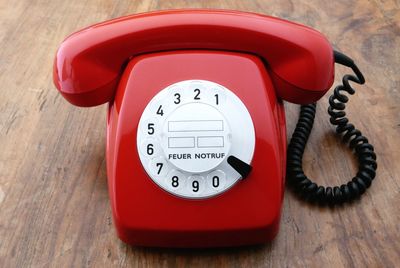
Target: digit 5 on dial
(196, 137)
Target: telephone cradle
(196, 135)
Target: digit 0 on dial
(186, 134)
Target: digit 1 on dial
(216, 99)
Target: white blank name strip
(208, 142)
(195, 125)
(181, 142)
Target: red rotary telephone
(196, 136)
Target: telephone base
(147, 215)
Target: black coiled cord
(364, 151)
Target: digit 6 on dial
(150, 147)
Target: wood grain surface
(54, 205)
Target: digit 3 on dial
(189, 133)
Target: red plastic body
(89, 63)
(127, 61)
(145, 214)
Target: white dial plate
(187, 132)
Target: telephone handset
(89, 63)
(196, 135)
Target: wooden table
(54, 205)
